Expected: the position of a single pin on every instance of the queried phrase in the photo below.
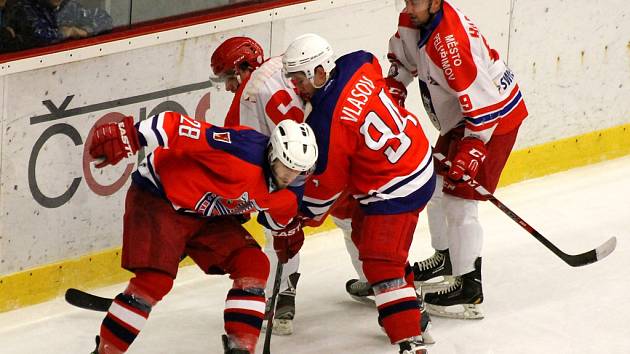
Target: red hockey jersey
(368, 145)
(210, 170)
(462, 79)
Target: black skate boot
(461, 299)
(285, 308)
(360, 291)
(412, 346)
(228, 347)
(438, 265)
(98, 341)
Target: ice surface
(534, 302)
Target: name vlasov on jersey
(353, 107)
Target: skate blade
(416, 350)
(462, 312)
(364, 299)
(434, 285)
(427, 338)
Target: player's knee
(460, 211)
(438, 194)
(377, 271)
(149, 285)
(250, 268)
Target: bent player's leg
(384, 246)
(154, 270)
(245, 302)
(130, 310)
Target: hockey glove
(114, 141)
(397, 90)
(470, 155)
(288, 241)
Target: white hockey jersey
(462, 80)
(265, 99)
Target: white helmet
(306, 53)
(294, 145)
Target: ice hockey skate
(434, 273)
(460, 300)
(285, 312)
(412, 346)
(285, 309)
(360, 291)
(228, 347)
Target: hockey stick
(574, 260)
(84, 300)
(272, 308)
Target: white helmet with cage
(294, 145)
(306, 53)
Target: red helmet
(234, 52)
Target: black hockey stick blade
(81, 299)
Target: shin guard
(398, 309)
(130, 310)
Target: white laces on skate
(431, 262)
(456, 284)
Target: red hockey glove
(288, 241)
(470, 155)
(397, 90)
(114, 141)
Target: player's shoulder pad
(449, 48)
(242, 142)
(260, 76)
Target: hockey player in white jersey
(263, 97)
(472, 98)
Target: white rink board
(52, 213)
(577, 96)
(569, 93)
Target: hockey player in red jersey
(187, 196)
(263, 97)
(473, 99)
(375, 150)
